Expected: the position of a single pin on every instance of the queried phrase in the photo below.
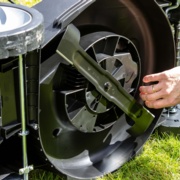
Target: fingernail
(145, 79)
(142, 93)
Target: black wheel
(117, 55)
(81, 133)
(87, 126)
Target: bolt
(107, 86)
(31, 168)
(35, 126)
(21, 171)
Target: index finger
(152, 77)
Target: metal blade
(107, 85)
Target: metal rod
(23, 116)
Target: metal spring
(73, 78)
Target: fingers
(165, 92)
(151, 97)
(150, 89)
(160, 103)
(156, 104)
(160, 100)
(153, 77)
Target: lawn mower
(69, 78)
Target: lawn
(159, 160)
(24, 2)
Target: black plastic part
(175, 15)
(8, 92)
(72, 152)
(89, 155)
(104, 82)
(4, 172)
(171, 121)
(59, 14)
(9, 85)
(23, 40)
(13, 176)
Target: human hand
(164, 90)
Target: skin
(165, 91)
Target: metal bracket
(24, 133)
(107, 85)
(26, 170)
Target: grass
(28, 3)
(44, 175)
(159, 160)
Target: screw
(31, 168)
(35, 126)
(107, 86)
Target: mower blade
(105, 84)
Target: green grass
(44, 175)
(159, 160)
(24, 2)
